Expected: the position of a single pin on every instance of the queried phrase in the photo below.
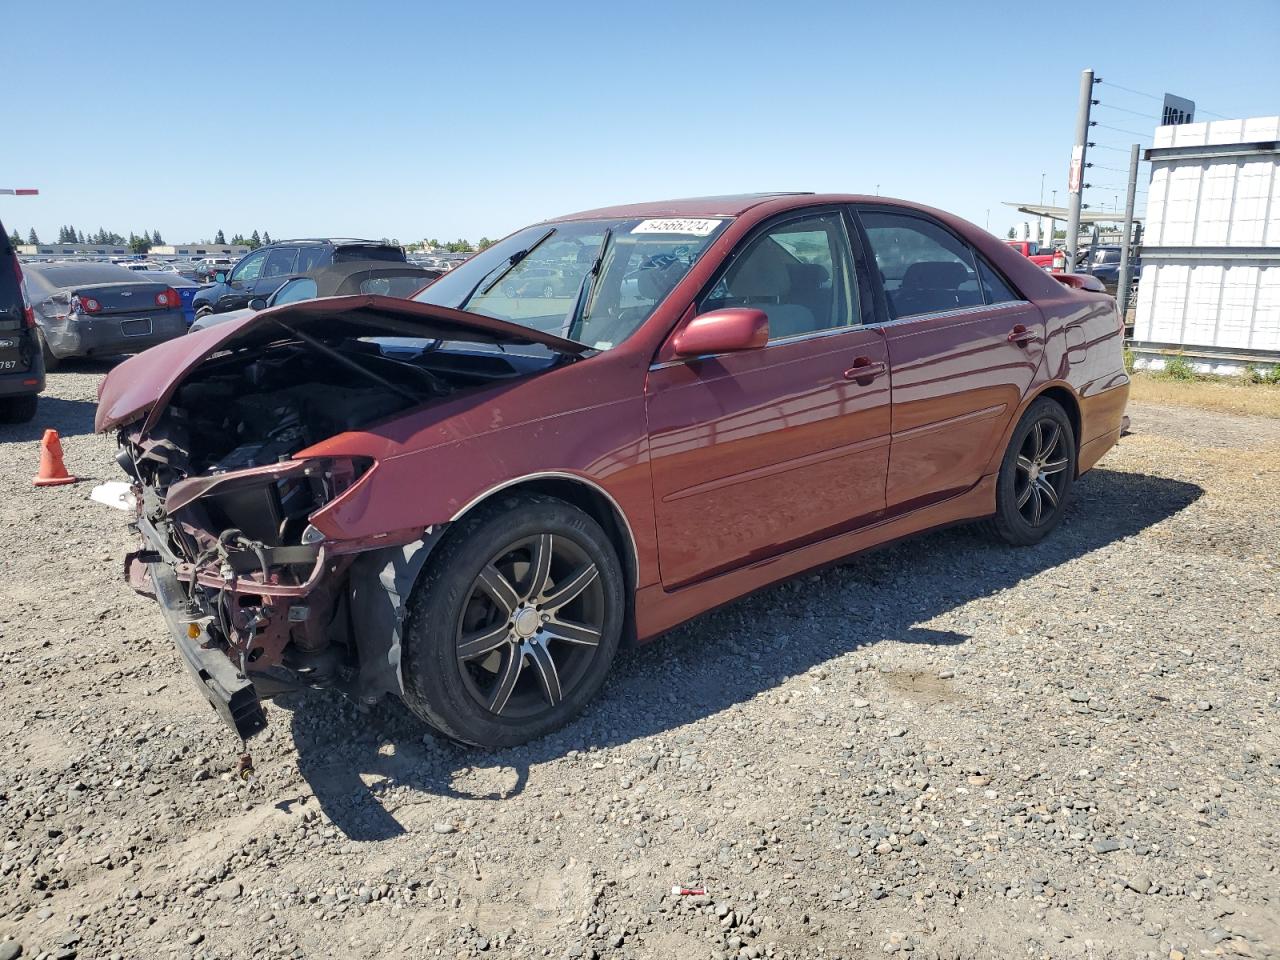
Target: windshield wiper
(586, 292)
(502, 269)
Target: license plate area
(141, 327)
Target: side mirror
(723, 331)
(257, 303)
(220, 276)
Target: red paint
(731, 471)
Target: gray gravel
(945, 749)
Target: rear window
(373, 252)
(74, 274)
(394, 286)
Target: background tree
(266, 237)
(1010, 234)
(80, 236)
(31, 236)
(15, 238)
(255, 241)
(239, 240)
(155, 238)
(484, 244)
(139, 244)
(219, 238)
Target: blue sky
(466, 119)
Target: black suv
(21, 366)
(258, 274)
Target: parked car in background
(187, 290)
(258, 274)
(748, 387)
(206, 268)
(100, 309)
(21, 366)
(1103, 261)
(545, 282)
(1041, 257)
(336, 280)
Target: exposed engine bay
(224, 505)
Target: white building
(1210, 286)
(122, 250)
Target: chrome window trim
(559, 475)
(960, 312)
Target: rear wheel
(513, 622)
(18, 409)
(51, 361)
(1036, 475)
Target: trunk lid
(124, 297)
(143, 384)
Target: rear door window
(994, 287)
(281, 262)
(924, 268)
(311, 257)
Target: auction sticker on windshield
(689, 226)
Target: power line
(1107, 126)
(1136, 113)
(1152, 96)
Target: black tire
(205, 311)
(51, 361)
(1036, 475)
(452, 680)
(18, 409)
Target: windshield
(643, 260)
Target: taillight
(168, 298)
(28, 315)
(85, 305)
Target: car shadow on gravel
(69, 417)
(365, 766)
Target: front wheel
(513, 622)
(18, 409)
(1036, 475)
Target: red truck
(1031, 250)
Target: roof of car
(730, 205)
(330, 278)
(336, 241)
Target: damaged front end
(232, 478)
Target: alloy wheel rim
(1041, 475)
(530, 627)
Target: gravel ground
(945, 749)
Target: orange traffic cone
(52, 470)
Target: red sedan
(471, 499)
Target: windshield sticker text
(689, 226)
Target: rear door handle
(864, 370)
(1020, 335)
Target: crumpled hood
(143, 384)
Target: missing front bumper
(230, 693)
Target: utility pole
(1126, 235)
(1075, 178)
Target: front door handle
(864, 370)
(1020, 335)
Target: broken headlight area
(259, 582)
